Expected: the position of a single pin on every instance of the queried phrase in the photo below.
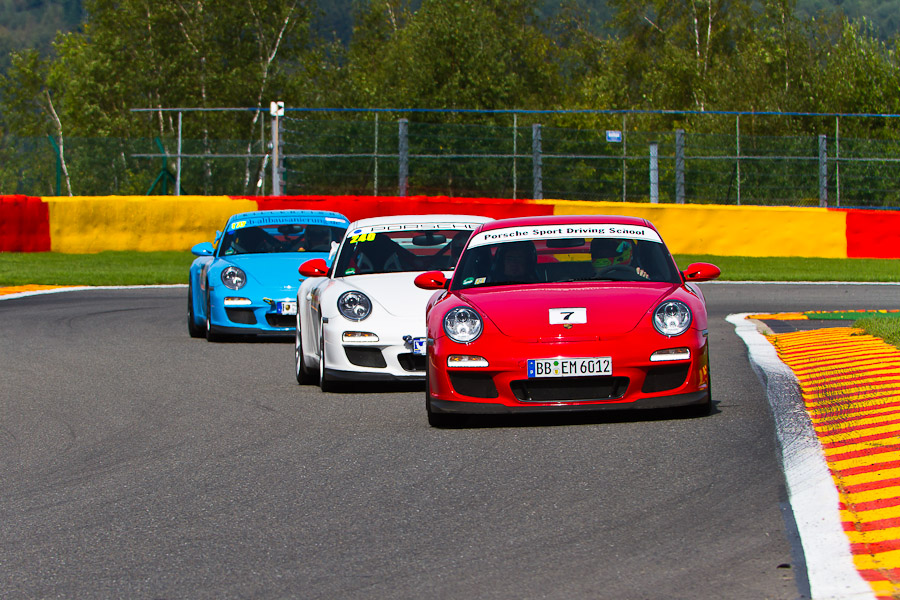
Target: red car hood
(523, 311)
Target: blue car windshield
(286, 237)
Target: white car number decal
(563, 316)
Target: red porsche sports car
(566, 313)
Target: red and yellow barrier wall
(89, 224)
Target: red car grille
(660, 379)
(576, 389)
(476, 385)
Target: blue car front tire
(195, 330)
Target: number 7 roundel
(564, 316)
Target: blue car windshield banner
(263, 221)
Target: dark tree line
(688, 55)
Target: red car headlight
(672, 318)
(463, 325)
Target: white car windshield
(540, 261)
(407, 249)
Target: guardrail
(149, 223)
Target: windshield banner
(546, 232)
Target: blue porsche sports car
(245, 282)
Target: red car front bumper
(503, 386)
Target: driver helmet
(318, 238)
(608, 252)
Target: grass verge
(103, 268)
(886, 328)
(745, 268)
(149, 268)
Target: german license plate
(286, 308)
(569, 367)
(418, 345)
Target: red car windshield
(557, 260)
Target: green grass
(886, 328)
(104, 268)
(744, 268)
(147, 268)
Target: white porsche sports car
(363, 318)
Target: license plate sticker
(418, 345)
(286, 308)
(569, 367)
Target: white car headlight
(463, 325)
(355, 306)
(672, 318)
(234, 278)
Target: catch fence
(705, 158)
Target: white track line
(85, 287)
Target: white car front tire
(304, 375)
(325, 384)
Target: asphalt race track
(137, 462)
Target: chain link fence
(505, 154)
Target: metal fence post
(375, 156)
(737, 159)
(537, 162)
(823, 171)
(837, 161)
(403, 157)
(515, 127)
(178, 160)
(654, 173)
(276, 109)
(58, 154)
(679, 166)
(624, 159)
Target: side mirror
(316, 267)
(202, 249)
(431, 280)
(701, 272)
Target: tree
(176, 53)
(30, 109)
(473, 54)
(671, 51)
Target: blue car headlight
(355, 306)
(463, 325)
(233, 278)
(672, 318)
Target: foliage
(32, 24)
(487, 55)
(477, 54)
